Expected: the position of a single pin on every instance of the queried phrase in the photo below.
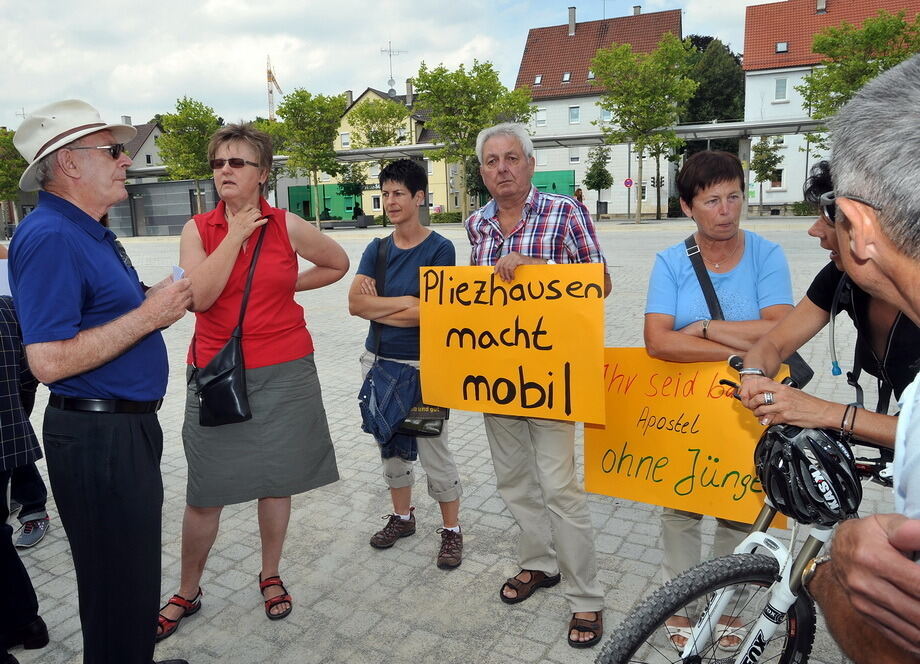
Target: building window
(541, 157)
(606, 116)
(375, 202)
(346, 140)
(780, 92)
(456, 200)
(538, 79)
(324, 177)
(590, 75)
(782, 47)
(149, 159)
(540, 117)
(430, 165)
(776, 179)
(566, 76)
(644, 191)
(375, 170)
(779, 140)
(574, 114)
(574, 156)
(401, 133)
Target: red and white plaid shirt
(552, 227)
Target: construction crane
(272, 86)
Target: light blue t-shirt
(761, 279)
(906, 468)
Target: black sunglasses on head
(235, 162)
(115, 149)
(828, 204)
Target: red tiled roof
(797, 21)
(551, 52)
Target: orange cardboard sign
(533, 346)
(674, 437)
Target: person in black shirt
(887, 343)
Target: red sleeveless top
(274, 330)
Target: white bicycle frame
(783, 592)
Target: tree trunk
(760, 206)
(638, 185)
(198, 204)
(464, 195)
(658, 186)
(314, 178)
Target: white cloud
(137, 59)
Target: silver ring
(768, 399)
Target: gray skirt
(283, 450)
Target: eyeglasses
(828, 204)
(115, 149)
(235, 162)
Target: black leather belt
(104, 405)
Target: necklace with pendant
(729, 257)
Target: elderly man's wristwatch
(810, 570)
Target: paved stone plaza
(354, 604)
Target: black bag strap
(696, 259)
(380, 275)
(238, 330)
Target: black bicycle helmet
(808, 474)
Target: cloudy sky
(136, 59)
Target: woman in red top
(285, 448)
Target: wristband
(751, 371)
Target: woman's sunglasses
(115, 149)
(828, 204)
(235, 162)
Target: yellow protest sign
(674, 437)
(532, 347)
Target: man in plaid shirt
(534, 458)
(19, 620)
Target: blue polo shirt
(66, 276)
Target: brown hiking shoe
(451, 553)
(396, 527)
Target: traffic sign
(628, 182)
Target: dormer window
(590, 75)
(566, 76)
(782, 47)
(538, 79)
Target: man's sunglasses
(115, 149)
(235, 162)
(828, 204)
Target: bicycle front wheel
(642, 637)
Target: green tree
(765, 159)
(645, 93)
(351, 180)
(279, 147)
(11, 167)
(311, 123)
(184, 142)
(461, 103)
(662, 145)
(597, 176)
(853, 57)
(378, 123)
(720, 95)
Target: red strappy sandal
(189, 607)
(274, 601)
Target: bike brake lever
(732, 384)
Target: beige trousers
(534, 463)
(680, 536)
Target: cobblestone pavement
(354, 604)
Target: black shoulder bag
(798, 368)
(221, 385)
(422, 420)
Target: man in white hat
(91, 335)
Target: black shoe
(32, 636)
(162, 661)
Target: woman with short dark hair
(285, 448)
(751, 280)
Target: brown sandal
(595, 626)
(272, 602)
(188, 607)
(523, 589)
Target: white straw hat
(54, 126)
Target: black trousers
(105, 476)
(28, 489)
(18, 605)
